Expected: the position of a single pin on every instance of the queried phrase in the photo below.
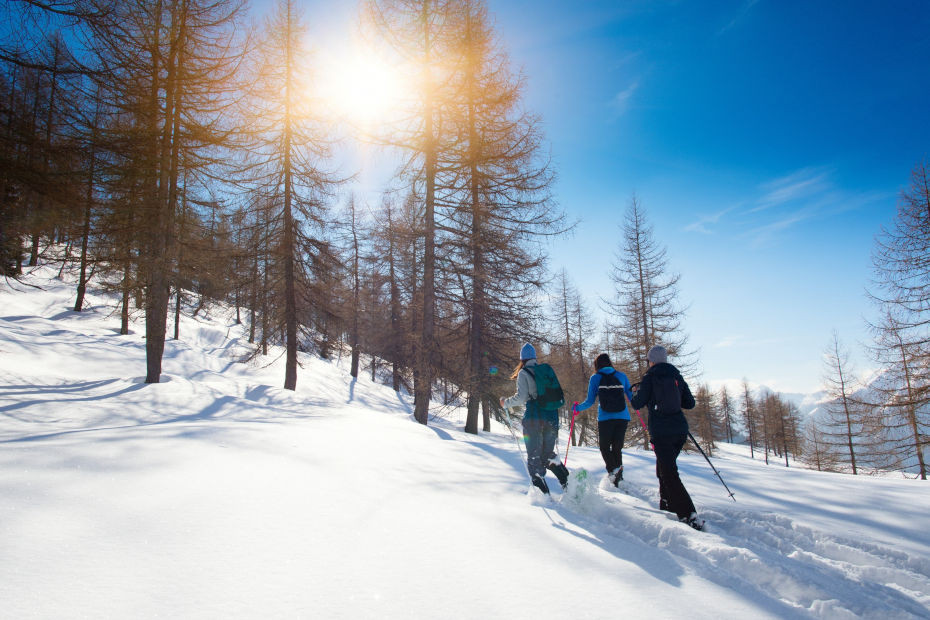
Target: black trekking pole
(711, 465)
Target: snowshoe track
(805, 572)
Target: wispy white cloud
(621, 101)
(784, 202)
(704, 224)
(799, 185)
(740, 15)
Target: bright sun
(361, 88)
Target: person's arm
(593, 384)
(626, 386)
(523, 391)
(643, 395)
(687, 398)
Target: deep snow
(217, 494)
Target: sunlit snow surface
(217, 494)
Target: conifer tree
(727, 411)
(421, 31)
(500, 201)
(845, 415)
(645, 310)
(901, 290)
(167, 67)
(289, 177)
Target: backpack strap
(533, 375)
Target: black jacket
(663, 425)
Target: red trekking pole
(571, 430)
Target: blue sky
(768, 142)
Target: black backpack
(610, 394)
(666, 395)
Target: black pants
(610, 435)
(673, 496)
(539, 436)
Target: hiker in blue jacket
(608, 386)
(540, 427)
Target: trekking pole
(512, 433)
(711, 466)
(571, 430)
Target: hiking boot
(561, 472)
(693, 521)
(540, 483)
(616, 476)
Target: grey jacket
(526, 388)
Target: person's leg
(661, 451)
(618, 436)
(532, 437)
(672, 492)
(605, 431)
(550, 437)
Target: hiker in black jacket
(666, 393)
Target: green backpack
(549, 392)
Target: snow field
(218, 494)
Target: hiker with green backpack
(538, 388)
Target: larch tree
(167, 66)
(288, 174)
(727, 411)
(703, 416)
(500, 204)
(571, 352)
(901, 290)
(751, 416)
(845, 415)
(421, 32)
(903, 396)
(644, 309)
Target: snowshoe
(693, 521)
(561, 472)
(540, 483)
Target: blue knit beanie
(527, 352)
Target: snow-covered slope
(218, 494)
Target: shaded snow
(218, 494)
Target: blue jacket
(595, 383)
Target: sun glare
(361, 88)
